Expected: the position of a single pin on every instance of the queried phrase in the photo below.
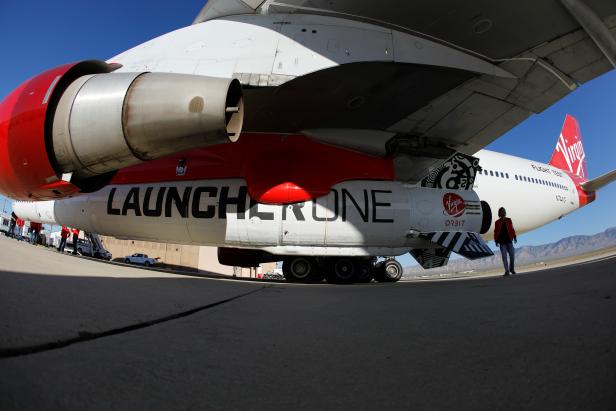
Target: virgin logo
(453, 204)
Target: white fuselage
(356, 218)
(534, 194)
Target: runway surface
(79, 334)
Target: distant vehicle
(142, 259)
(273, 275)
(90, 248)
(5, 221)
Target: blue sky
(37, 35)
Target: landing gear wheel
(301, 270)
(364, 272)
(341, 271)
(392, 271)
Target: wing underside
(548, 47)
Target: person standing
(20, 228)
(75, 232)
(64, 232)
(35, 229)
(13, 225)
(504, 234)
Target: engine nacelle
(70, 128)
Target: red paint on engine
(25, 169)
(278, 169)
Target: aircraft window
(491, 173)
(502, 174)
(516, 176)
(507, 175)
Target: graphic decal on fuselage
(208, 202)
(457, 173)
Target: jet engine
(70, 128)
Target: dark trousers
(75, 238)
(62, 244)
(508, 249)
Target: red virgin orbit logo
(453, 204)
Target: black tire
(300, 269)
(378, 273)
(392, 271)
(341, 270)
(364, 272)
(126, 261)
(147, 264)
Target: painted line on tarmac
(89, 336)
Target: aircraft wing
(546, 48)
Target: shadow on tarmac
(543, 340)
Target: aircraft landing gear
(388, 271)
(364, 272)
(340, 270)
(301, 270)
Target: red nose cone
(285, 193)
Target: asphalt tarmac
(80, 334)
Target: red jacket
(498, 226)
(75, 231)
(64, 232)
